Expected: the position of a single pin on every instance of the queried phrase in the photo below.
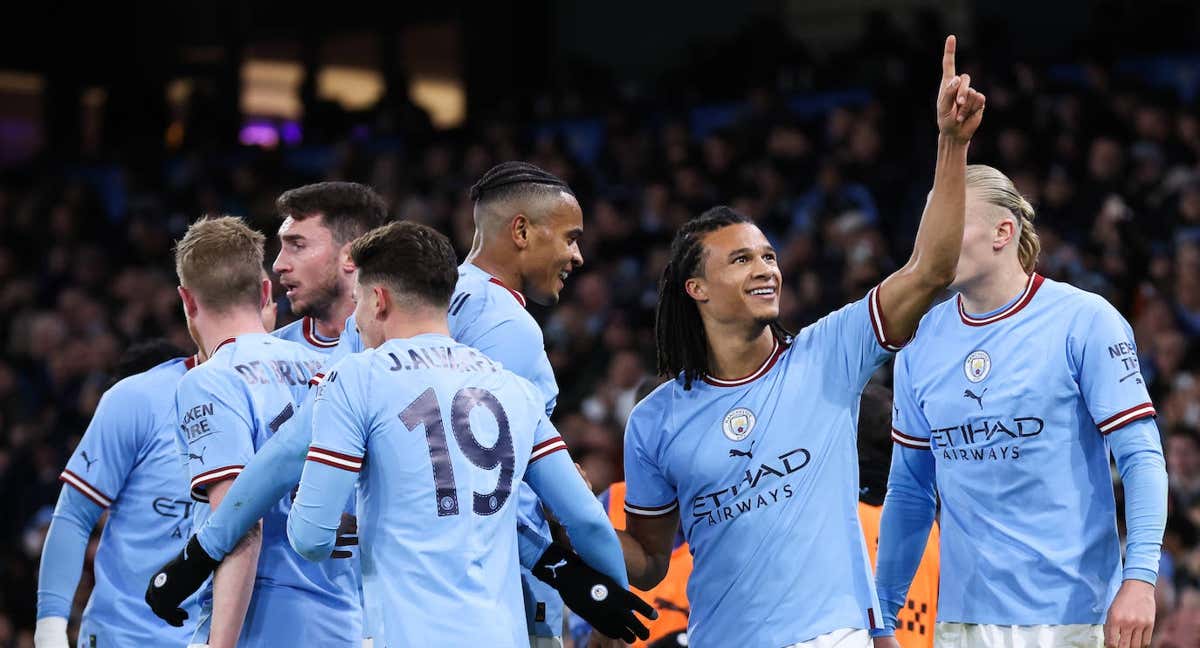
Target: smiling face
(309, 266)
(740, 279)
(553, 250)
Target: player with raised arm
(127, 463)
(442, 436)
(779, 557)
(247, 390)
(1008, 404)
(527, 226)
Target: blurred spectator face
(1183, 456)
(308, 265)
(1104, 159)
(552, 251)
(737, 262)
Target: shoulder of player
(289, 331)
(652, 409)
(1083, 306)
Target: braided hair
(682, 345)
(510, 179)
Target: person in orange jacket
(914, 627)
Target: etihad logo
(979, 432)
(757, 488)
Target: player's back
(448, 435)
(229, 407)
(129, 463)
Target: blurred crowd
(1112, 166)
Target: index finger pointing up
(948, 59)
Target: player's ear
(344, 261)
(264, 296)
(189, 301)
(1003, 234)
(696, 289)
(519, 227)
(383, 301)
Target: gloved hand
(177, 580)
(598, 599)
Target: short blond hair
(995, 188)
(220, 260)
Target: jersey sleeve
(1106, 363)
(75, 516)
(854, 340)
(546, 440)
(109, 448)
(647, 491)
(909, 427)
(339, 437)
(214, 420)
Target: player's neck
(499, 265)
(331, 326)
(414, 323)
(736, 352)
(216, 328)
(992, 290)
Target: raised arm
(907, 294)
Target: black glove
(596, 598)
(177, 580)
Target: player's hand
(178, 580)
(1131, 616)
(347, 536)
(886, 642)
(51, 632)
(598, 599)
(959, 106)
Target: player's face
(979, 233)
(741, 280)
(365, 303)
(309, 266)
(553, 251)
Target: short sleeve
(214, 421)
(909, 427)
(647, 491)
(1106, 363)
(338, 433)
(109, 449)
(854, 341)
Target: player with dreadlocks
(753, 442)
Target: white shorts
(974, 635)
(844, 638)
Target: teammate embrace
(427, 442)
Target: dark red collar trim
(191, 362)
(1031, 288)
(755, 375)
(309, 327)
(218, 347)
(518, 296)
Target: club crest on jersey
(738, 424)
(978, 366)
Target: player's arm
(651, 504)
(908, 293)
(75, 516)
(334, 460)
(94, 475)
(647, 543)
(233, 581)
(1104, 357)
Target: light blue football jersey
(764, 473)
(129, 464)
(489, 316)
(304, 332)
(1014, 406)
(228, 407)
(442, 437)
